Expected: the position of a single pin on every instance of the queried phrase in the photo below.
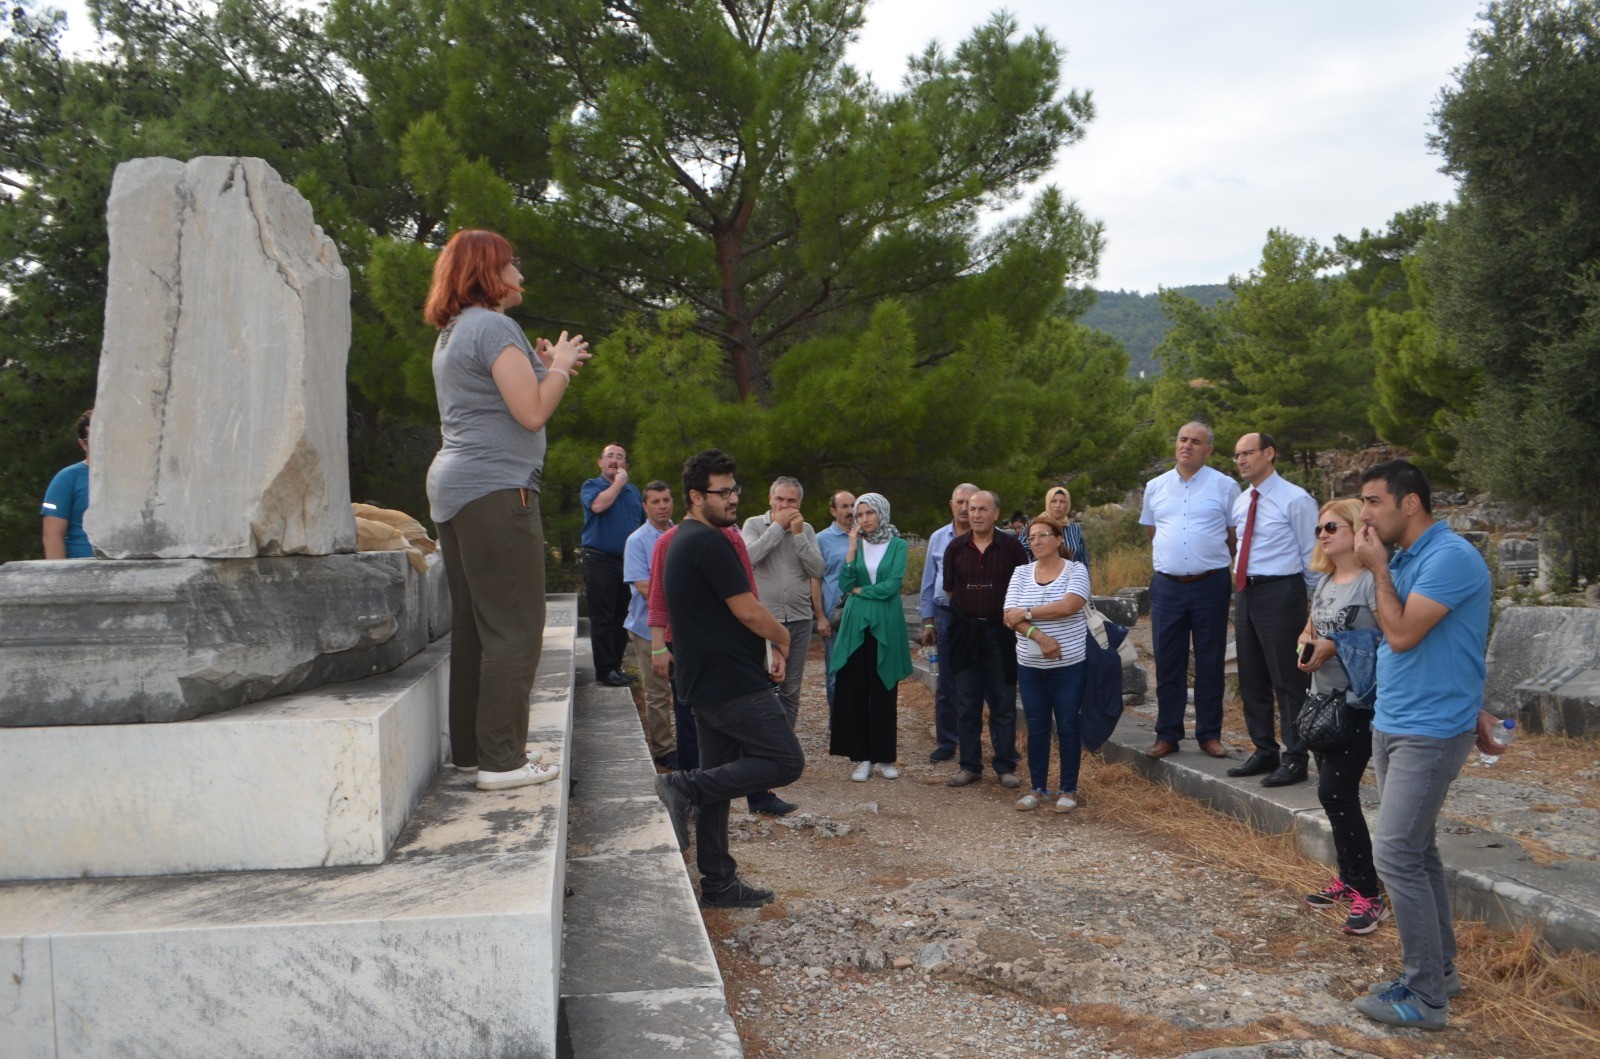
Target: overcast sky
(1216, 122)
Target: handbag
(1097, 628)
(1324, 722)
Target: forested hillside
(1136, 320)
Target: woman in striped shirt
(1044, 606)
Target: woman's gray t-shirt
(484, 448)
(1336, 606)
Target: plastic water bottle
(933, 661)
(1502, 735)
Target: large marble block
(86, 641)
(317, 779)
(219, 427)
(1529, 640)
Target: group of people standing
(727, 616)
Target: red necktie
(1241, 573)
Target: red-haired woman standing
(496, 392)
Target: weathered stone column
(219, 425)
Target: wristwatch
(1029, 615)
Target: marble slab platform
(450, 948)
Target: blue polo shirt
(636, 567)
(833, 543)
(1436, 688)
(68, 498)
(609, 530)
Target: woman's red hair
(468, 273)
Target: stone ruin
(219, 475)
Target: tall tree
(1515, 264)
(1288, 355)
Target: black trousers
(1339, 790)
(1268, 618)
(864, 711)
(608, 609)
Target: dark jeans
(746, 746)
(1267, 620)
(1050, 700)
(1181, 611)
(494, 562)
(683, 720)
(982, 683)
(607, 593)
(1339, 790)
(945, 728)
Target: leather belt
(1264, 578)
(1189, 579)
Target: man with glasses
(1188, 513)
(612, 510)
(65, 501)
(1272, 579)
(783, 550)
(982, 651)
(721, 635)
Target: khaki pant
(657, 701)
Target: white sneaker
(1028, 801)
(533, 758)
(1066, 803)
(863, 772)
(528, 774)
(888, 772)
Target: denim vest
(1358, 653)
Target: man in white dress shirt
(1188, 513)
(1277, 523)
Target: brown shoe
(1214, 747)
(1161, 748)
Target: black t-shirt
(714, 657)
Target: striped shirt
(1069, 632)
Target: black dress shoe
(770, 804)
(626, 678)
(1285, 776)
(1259, 762)
(943, 753)
(615, 679)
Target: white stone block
(220, 416)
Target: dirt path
(918, 920)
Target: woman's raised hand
(567, 354)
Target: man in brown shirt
(982, 651)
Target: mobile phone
(1306, 650)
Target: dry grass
(1523, 997)
(1121, 567)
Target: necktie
(1242, 571)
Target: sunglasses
(1329, 528)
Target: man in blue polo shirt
(65, 501)
(1433, 607)
(612, 510)
(833, 543)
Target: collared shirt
(608, 531)
(933, 570)
(833, 543)
(660, 618)
(785, 563)
(1285, 530)
(1192, 519)
(1436, 688)
(977, 580)
(636, 567)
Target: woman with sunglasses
(1345, 599)
(1044, 607)
(871, 654)
(496, 391)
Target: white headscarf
(886, 529)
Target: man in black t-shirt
(720, 634)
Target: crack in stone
(269, 247)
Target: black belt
(588, 551)
(1262, 579)
(1189, 579)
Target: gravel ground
(918, 920)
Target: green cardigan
(877, 608)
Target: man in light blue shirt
(1433, 606)
(833, 542)
(636, 554)
(935, 609)
(1272, 579)
(1188, 512)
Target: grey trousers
(1414, 774)
(795, 668)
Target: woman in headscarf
(871, 653)
(1058, 505)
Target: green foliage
(1136, 320)
(1515, 263)
(1290, 354)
